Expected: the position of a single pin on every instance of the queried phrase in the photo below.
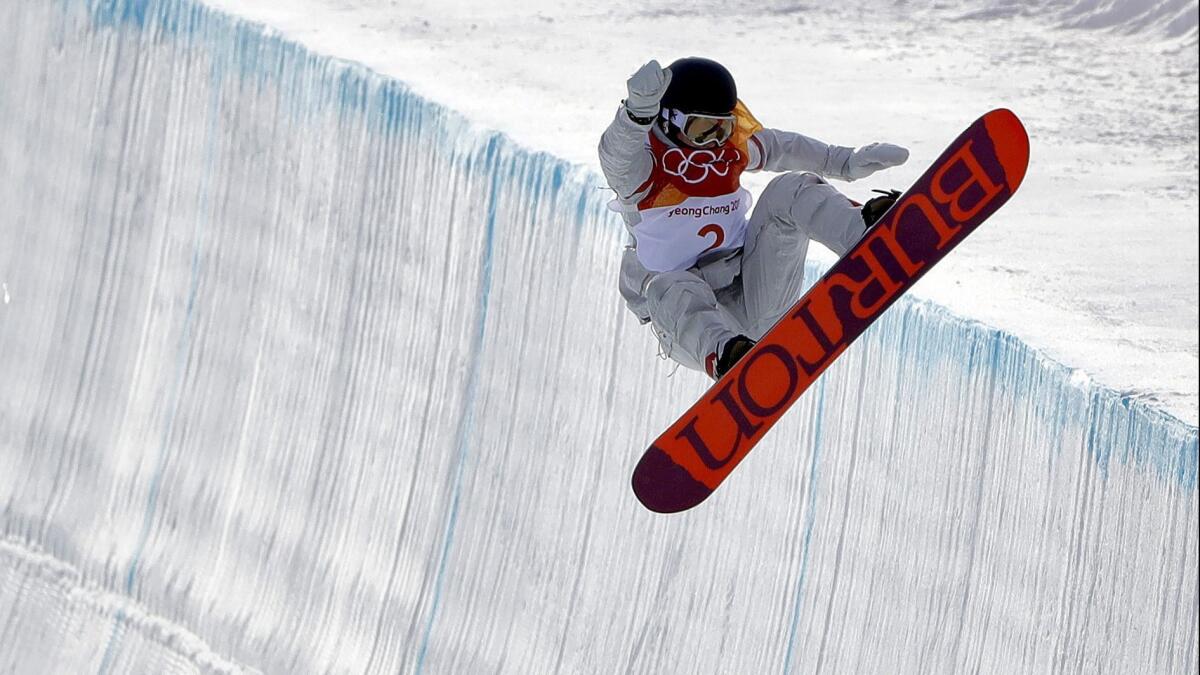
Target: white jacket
(627, 162)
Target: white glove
(646, 89)
(874, 157)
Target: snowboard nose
(663, 486)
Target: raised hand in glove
(646, 89)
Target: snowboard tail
(976, 174)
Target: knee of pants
(664, 283)
(674, 298)
(799, 199)
(785, 189)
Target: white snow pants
(695, 311)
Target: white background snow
(1096, 260)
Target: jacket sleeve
(624, 157)
(787, 151)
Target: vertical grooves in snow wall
(302, 373)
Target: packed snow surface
(306, 367)
(1095, 262)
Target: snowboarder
(708, 272)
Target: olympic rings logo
(695, 167)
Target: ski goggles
(701, 130)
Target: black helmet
(700, 85)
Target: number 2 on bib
(718, 234)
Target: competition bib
(673, 237)
(696, 204)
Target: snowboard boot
(875, 207)
(733, 350)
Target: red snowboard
(974, 176)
